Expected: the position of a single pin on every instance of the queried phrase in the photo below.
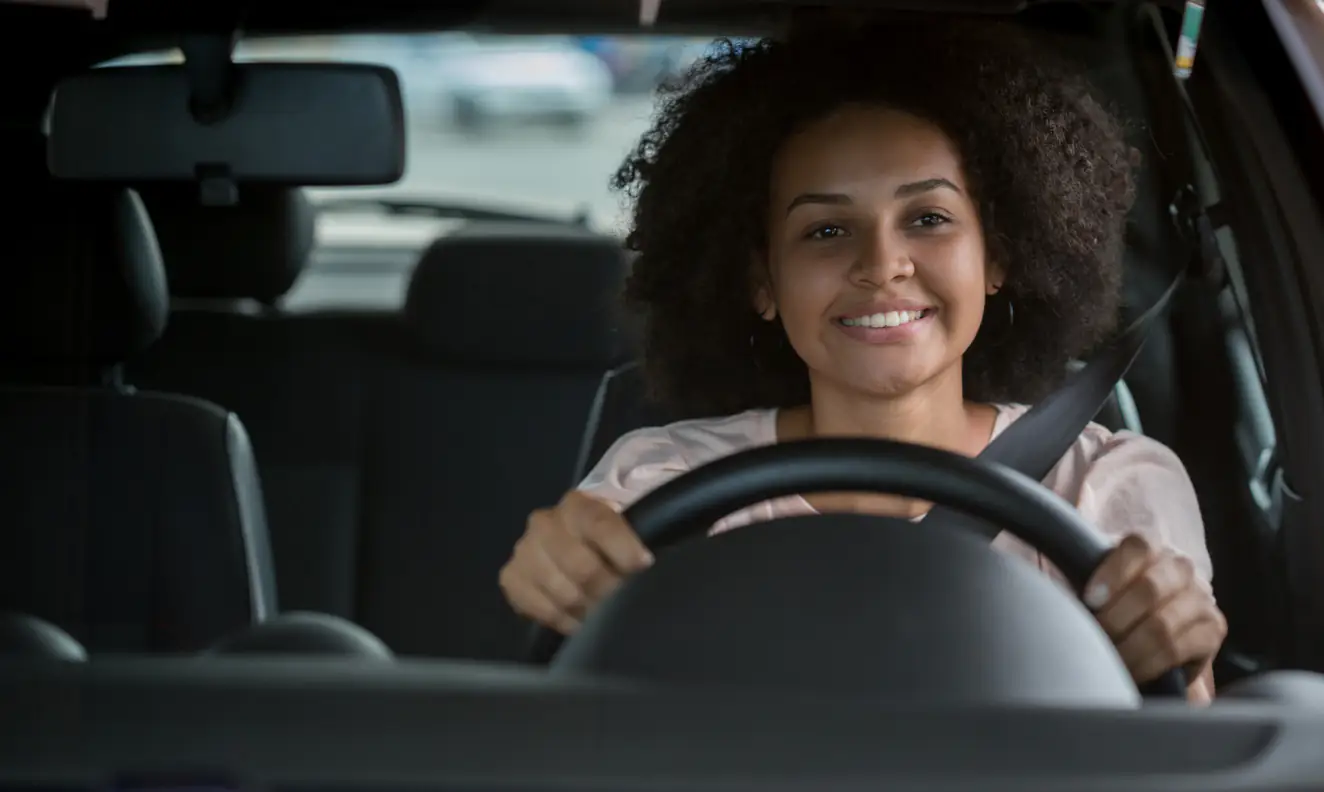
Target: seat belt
(1037, 441)
(1033, 444)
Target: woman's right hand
(570, 557)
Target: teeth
(888, 319)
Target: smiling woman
(876, 198)
(1045, 170)
(905, 233)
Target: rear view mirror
(283, 123)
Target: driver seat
(132, 519)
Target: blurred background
(536, 123)
(527, 125)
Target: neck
(935, 414)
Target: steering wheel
(687, 507)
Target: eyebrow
(915, 188)
(905, 190)
(818, 198)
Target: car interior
(260, 466)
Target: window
(527, 124)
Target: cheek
(957, 277)
(964, 315)
(806, 292)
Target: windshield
(501, 124)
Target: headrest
(252, 250)
(84, 288)
(23, 635)
(521, 294)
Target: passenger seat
(478, 408)
(132, 519)
(294, 379)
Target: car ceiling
(285, 16)
(74, 39)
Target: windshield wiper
(441, 209)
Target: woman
(905, 233)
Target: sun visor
(303, 124)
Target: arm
(574, 554)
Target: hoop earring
(995, 332)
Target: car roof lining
(130, 17)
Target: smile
(886, 319)
(886, 327)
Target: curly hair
(1047, 164)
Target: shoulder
(644, 459)
(1126, 483)
(1104, 459)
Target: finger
(1184, 630)
(1165, 577)
(1198, 644)
(606, 531)
(599, 586)
(535, 559)
(1127, 560)
(591, 574)
(536, 605)
(530, 601)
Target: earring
(994, 331)
(1011, 308)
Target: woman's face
(875, 252)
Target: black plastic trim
(447, 726)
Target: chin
(902, 375)
(868, 377)
(894, 385)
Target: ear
(765, 303)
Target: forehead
(859, 146)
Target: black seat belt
(1035, 443)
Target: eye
(827, 231)
(930, 220)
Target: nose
(885, 258)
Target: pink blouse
(1121, 482)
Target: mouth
(886, 318)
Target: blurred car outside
(475, 82)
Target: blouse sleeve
(1136, 485)
(637, 463)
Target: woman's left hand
(1158, 612)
